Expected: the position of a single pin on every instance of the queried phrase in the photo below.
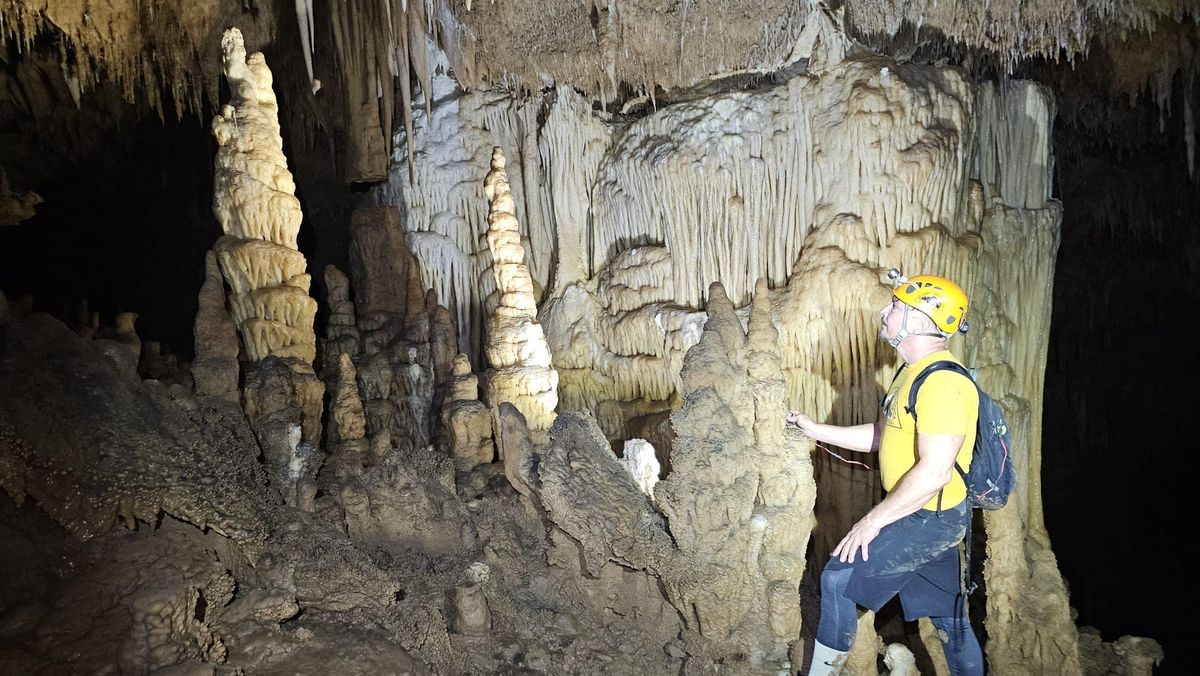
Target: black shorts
(915, 557)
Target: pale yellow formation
(618, 340)
(254, 202)
(515, 345)
(467, 420)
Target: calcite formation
(441, 195)
(467, 420)
(215, 367)
(736, 510)
(346, 433)
(819, 185)
(740, 493)
(254, 202)
(516, 347)
(402, 342)
(284, 406)
(702, 266)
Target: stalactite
(377, 42)
(124, 42)
(304, 19)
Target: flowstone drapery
(819, 185)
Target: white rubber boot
(826, 661)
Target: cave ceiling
(102, 54)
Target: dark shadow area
(1120, 395)
(124, 228)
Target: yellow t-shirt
(947, 403)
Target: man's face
(891, 319)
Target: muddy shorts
(915, 557)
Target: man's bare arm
(862, 438)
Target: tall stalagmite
(255, 204)
(515, 345)
(254, 201)
(740, 494)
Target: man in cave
(907, 544)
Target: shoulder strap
(943, 365)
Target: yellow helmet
(938, 298)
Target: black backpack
(991, 479)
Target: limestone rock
(515, 448)
(472, 616)
(121, 451)
(135, 603)
(594, 499)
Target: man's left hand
(860, 536)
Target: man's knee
(835, 577)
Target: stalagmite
(255, 204)
(639, 458)
(514, 447)
(746, 591)
(122, 343)
(341, 329)
(900, 660)
(347, 423)
(467, 420)
(404, 341)
(737, 502)
(441, 198)
(864, 654)
(215, 367)
(516, 347)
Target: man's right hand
(801, 421)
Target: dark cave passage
(1120, 379)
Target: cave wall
(818, 186)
